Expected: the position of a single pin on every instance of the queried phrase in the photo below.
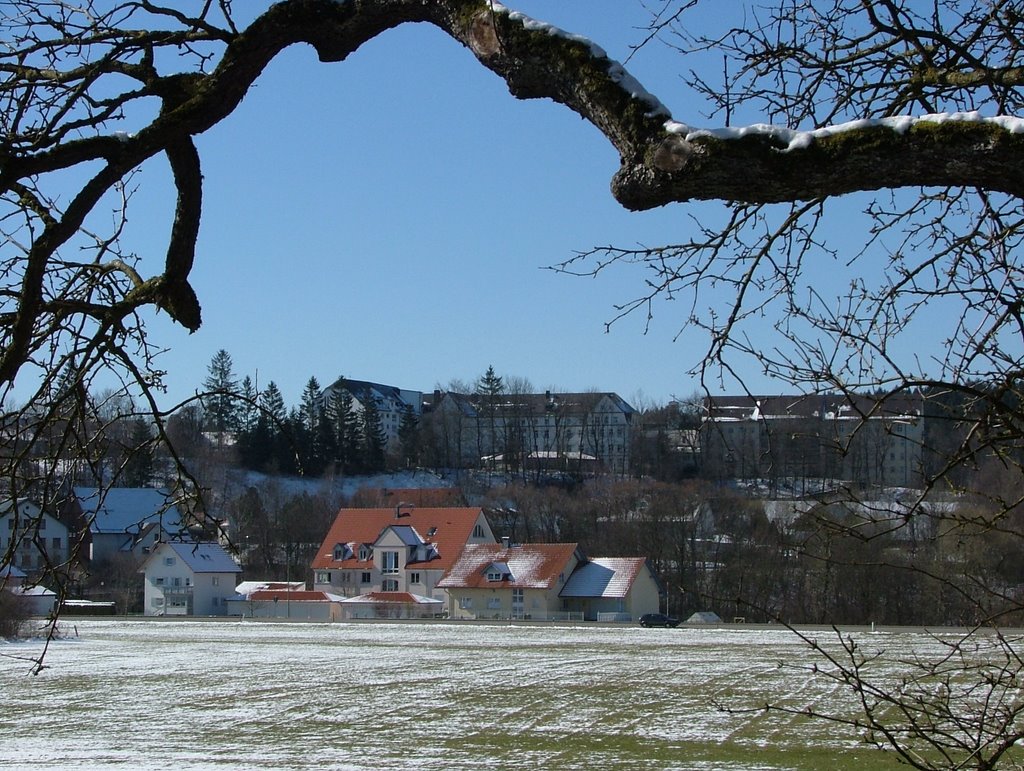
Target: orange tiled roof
(447, 528)
(297, 596)
(532, 566)
(391, 598)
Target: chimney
(505, 542)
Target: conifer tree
(409, 437)
(137, 470)
(309, 446)
(347, 429)
(374, 438)
(220, 394)
(490, 389)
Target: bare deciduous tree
(92, 91)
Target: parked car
(658, 619)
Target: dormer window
(364, 552)
(498, 571)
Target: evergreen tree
(347, 429)
(248, 409)
(137, 470)
(409, 437)
(308, 439)
(221, 393)
(374, 438)
(292, 443)
(266, 447)
(272, 405)
(327, 439)
(490, 390)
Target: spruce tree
(308, 439)
(138, 466)
(490, 390)
(347, 429)
(409, 437)
(220, 394)
(267, 446)
(374, 438)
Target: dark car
(658, 619)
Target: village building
(548, 582)
(31, 540)
(122, 521)
(387, 562)
(577, 433)
(185, 578)
(286, 601)
(788, 440)
(391, 403)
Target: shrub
(13, 614)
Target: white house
(35, 541)
(389, 560)
(185, 578)
(573, 432)
(548, 581)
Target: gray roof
(127, 509)
(603, 577)
(9, 571)
(406, 533)
(204, 557)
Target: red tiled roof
(299, 596)
(447, 528)
(532, 566)
(391, 598)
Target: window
(414, 578)
(478, 531)
(215, 581)
(42, 523)
(494, 575)
(56, 543)
(389, 562)
(466, 603)
(389, 585)
(323, 578)
(158, 581)
(168, 561)
(177, 581)
(365, 578)
(364, 553)
(493, 603)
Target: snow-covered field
(257, 695)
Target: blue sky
(390, 218)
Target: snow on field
(258, 695)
